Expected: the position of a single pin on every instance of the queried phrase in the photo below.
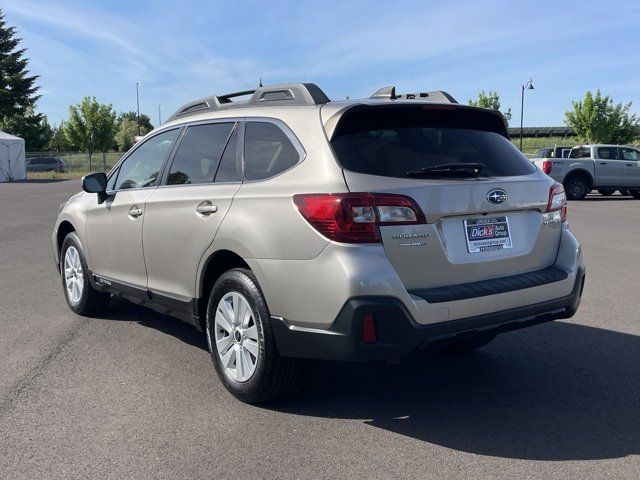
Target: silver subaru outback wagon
(284, 226)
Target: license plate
(487, 234)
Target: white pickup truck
(606, 168)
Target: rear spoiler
(331, 123)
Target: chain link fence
(79, 161)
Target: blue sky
(181, 50)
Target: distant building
(533, 132)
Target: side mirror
(96, 183)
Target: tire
(624, 193)
(606, 192)
(635, 194)
(577, 187)
(81, 297)
(465, 346)
(261, 374)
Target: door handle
(206, 208)
(603, 163)
(629, 164)
(135, 211)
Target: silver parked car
(289, 226)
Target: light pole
(138, 84)
(526, 86)
(159, 114)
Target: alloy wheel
(236, 337)
(73, 275)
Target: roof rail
(299, 94)
(436, 96)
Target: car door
(609, 167)
(183, 215)
(114, 227)
(631, 160)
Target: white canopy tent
(12, 161)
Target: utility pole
(138, 106)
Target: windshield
(397, 142)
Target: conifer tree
(18, 91)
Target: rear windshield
(391, 141)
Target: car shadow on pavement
(558, 391)
(600, 198)
(42, 180)
(125, 311)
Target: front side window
(111, 182)
(630, 154)
(267, 151)
(198, 155)
(142, 167)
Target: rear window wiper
(448, 170)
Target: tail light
(355, 217)
(557, 201)
(546, 166)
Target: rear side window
(228, 170)
(608, 153)
(267, 151)
(543, 153)
(198, 155)
(392, 141)
(582, 152)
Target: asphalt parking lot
(134, 394)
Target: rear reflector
(369, 334)
(355, 217)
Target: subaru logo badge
(496, 196)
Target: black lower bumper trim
(493, 286)
(399, 335)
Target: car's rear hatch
(478, 226)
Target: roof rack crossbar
(298, 94)
(226, 98)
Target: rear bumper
(399, 334)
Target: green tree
(91, 127)
(34, 129)
(126, 134)
(59, 140)
(490, 100)
(145, 121)
(18, 92)
(597, 119)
